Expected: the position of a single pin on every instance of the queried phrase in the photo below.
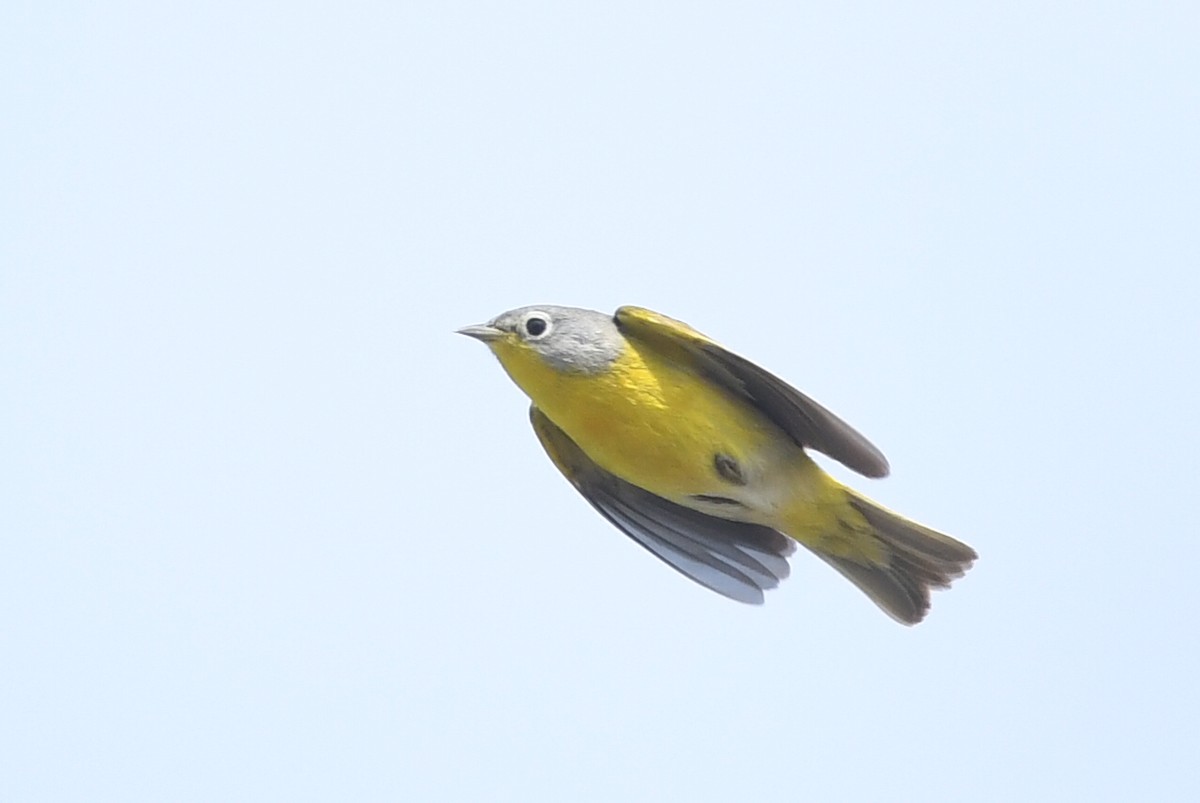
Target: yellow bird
(699, 456)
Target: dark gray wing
(732, 558)
(806, 422)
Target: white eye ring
(535, 325)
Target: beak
(482, 332)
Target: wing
(732, 558)
(806, 422)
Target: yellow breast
(647, 420)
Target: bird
(702, 457)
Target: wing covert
(805, 421)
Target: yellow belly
(659, 426)
(649, 421)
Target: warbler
(700, 456)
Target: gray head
(568, 338)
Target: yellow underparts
(657, 425)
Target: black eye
(535, 326)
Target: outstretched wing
(735, 559)
(806, 422)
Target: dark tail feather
(920, 559)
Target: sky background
(271, 531)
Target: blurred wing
(735, 559)
(806, 422)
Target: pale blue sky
(271, 531)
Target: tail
(914, 559)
